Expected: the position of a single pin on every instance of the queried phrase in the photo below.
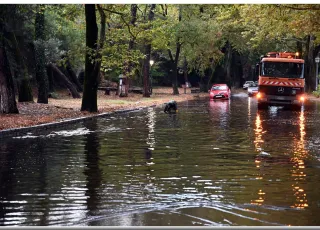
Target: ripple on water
(207, 165)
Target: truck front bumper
(281, 100)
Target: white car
(247, 84)
(252, 90)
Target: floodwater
(214, 163)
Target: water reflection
(219, 111)
(258, 141)
(298, 172)
(92, 170)
(261, 198)
(295, 157)
(216, 163)
(258, 160)
(249, 108)
(151, 115)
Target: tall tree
(175, 60)
(309, 66)
(41, 73)
(15, 36)
(129, 64)
(89, 99)
(92, 70)
(20, 71)
(7, 94)
(146, 60)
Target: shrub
(316, 93)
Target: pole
(150, 81)
(317, 72)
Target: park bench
(136, 90)
(195, 90)
(108, 89)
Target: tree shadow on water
(92, 171)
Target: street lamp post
(317, 59)
(150, 75)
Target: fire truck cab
(281, 80)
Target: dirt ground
(66, 107)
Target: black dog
(171, 107)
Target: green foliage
(203, 32)
(201, 38)
(52, 49)
(54, 95)
(316, 93)
(65, 27)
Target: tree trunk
(62, 78)
(175, 70)
(90, 87)
(309, 64)
(212, 70)
(227, 64)
(20, 71)
(299, 48)
(185, 69)
(129, 65)
(41, 75)
(65, 72)
(7, 95)
(146, 61)
(174, 67)
(236, 69)
(50, 79)
(73, 76)
(175, 62)
(146, 71)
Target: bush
(316, 93)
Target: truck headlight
(259, 95)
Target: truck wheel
(296, 107)
(262, 106)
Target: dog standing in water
(171, 107)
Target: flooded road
(213, 163)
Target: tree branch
(177, 52)
(127, 24)
(140, 10)
(170, 55)
(103, 26)
(112, 11)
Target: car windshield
(282, 69)
(219, 87)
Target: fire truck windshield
(282, 69)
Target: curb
(47, 126)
